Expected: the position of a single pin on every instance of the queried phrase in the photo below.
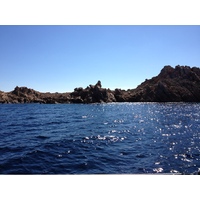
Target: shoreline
(179, 84)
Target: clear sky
(60, 58)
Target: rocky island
(179, 84)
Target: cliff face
(181, 83)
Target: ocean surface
(114, 138)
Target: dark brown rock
(181, 83)
(92, 94)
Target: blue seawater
(114, 138)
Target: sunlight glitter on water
(126, 138)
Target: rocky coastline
(179, 84)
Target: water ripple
(130, 138)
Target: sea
(112, 138)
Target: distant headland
(179, 84)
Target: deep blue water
(116, 138)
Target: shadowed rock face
(92, 94)
(181, 83)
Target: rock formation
(92, 94)
(26, 95)
(179, 84)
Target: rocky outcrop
(27, 95)
(92, 94)
(179, 84)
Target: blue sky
(60, 58)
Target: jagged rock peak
(167, 68)
(179, 71)
(98, 84)
(182, 70)
(166, 71)
(17, 88)
(186, 72)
